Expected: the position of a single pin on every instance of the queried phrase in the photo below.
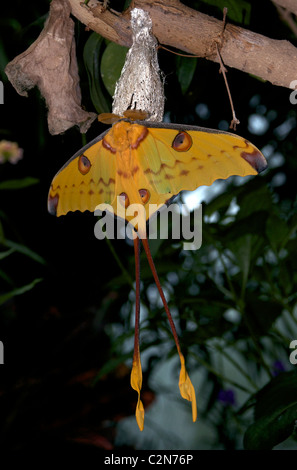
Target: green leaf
(255, 197)
(246, 250)
(2, 236)
(238, 10)
(4, 254)
(6, 278)
(242, 249)
(3, 62)
(112, 63)
(18, 184)
(92, 55)
(14, 24)
(155, 245)
(18, 291)
(277, 231)
(275, 413)
(214, 329)
(186, 67)
(126, 4)
(111, 365)
(261, 313)
(220, 202)
(25, 251)
(236, 234)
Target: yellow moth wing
(86, 180)
(211, 155)
(148, 164)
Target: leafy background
(67, 299)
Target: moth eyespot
(182, 142)
(84, 164)
(124, 199)
(145, 195)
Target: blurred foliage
(68, 340)
(238, 11)
(92, 58)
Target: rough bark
(270, 59)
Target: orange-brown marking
(255, 159)
(108, 147)
(163, 165)
(124, 174)
(145, 195)
(124, 200)
(110, 181)
(146, 172)
(84, 164)
(155, 182)
(182, 142)
(134, 170)
(140, 138)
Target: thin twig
(223, 70)
(225, 11)
(177, 53)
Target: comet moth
(147, 164)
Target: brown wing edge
(256, 159)
(52, 201)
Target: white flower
(10, 152)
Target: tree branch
(270, 59)
(290, 5)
